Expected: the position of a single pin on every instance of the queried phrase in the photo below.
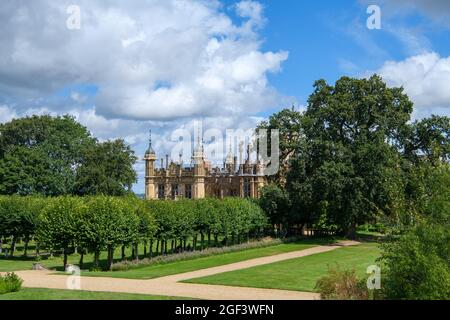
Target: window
(247, 188)
(161, 191)
(174, 191)
(188, 191)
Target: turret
(150, 158)
(198, 158)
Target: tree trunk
(216, 240)
(96, 258)
(209, 239)
(123, 253)
(157, 246)
(25, 249)
(65, 258)
(37, 249)
(194, 242)
(13, 247)
(145, 249)
(202, 241)
(351, 232)
(172, 246)
(110, 258)
(136, 251)
(151, 249)
(81, 264)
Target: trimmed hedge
(103, 223)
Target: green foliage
(345, 167)
(59, 223)
(416, 265)
(353, 158)
(106, 168)
(97, 223)
(38, 155)
(289, 124)
(275, 203)
(10, 282)
(341, 285)
(429, 137)
(19, 218)
(108, 222)
(54, 156)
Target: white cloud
(157, 64)
(426, 79)
(6, 114)
(208, 65)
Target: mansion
(200, 180)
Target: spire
(199, 150)
(150, 150)
(230, 158)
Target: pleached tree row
(99, 224)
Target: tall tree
(347, 167)
(288, 122)
(40, 154)
(107, 168)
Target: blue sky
(324, 40)
(227, 64)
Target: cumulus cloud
(426, 79)
(151, 60)
(160, 64)
(6, 114)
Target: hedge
(102, 223)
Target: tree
(107, 168)
(276, 204)
(289, 124)
(108, 222)
(416, 265)
(60, 223)
(347, 166)
(29, 219)
(429, 137)
(39, 154)
(146, 225)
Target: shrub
(10, 283)
(127, 265)
(416, 265)
(342, 285)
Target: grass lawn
(298, 274)
(18, 262)
(165, 269)
(54, 294)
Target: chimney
(235, 164)
(167, 161)
(162, 163)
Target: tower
(198, 158)
(230, 160)
(150, 158)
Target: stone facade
(173, 180)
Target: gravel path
(170, 286)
